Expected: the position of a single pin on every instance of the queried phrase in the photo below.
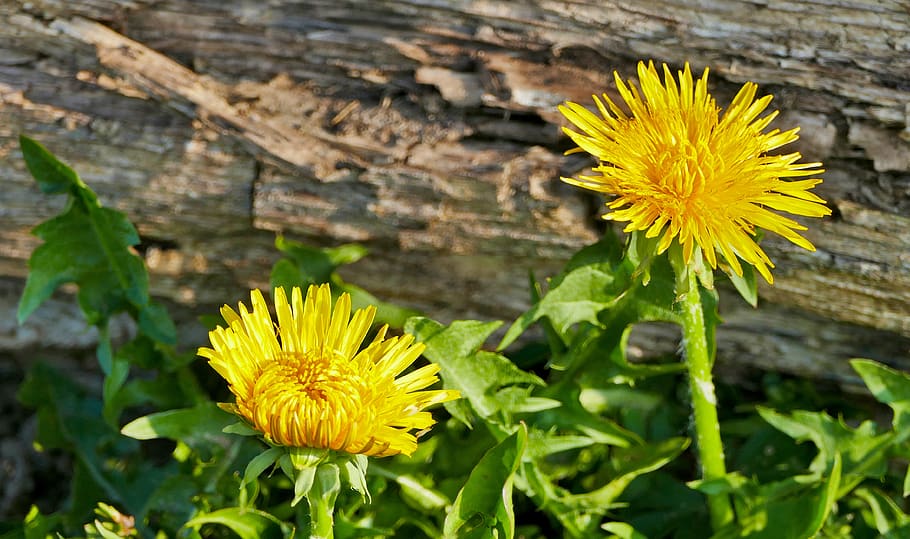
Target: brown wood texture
(428, 131)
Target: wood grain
(427, 131)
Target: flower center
(310, 400)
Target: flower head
(307, 383)
(681, 171)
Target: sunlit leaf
(621, 530)
(245, 522)
(479, 375)
(483, 507)
(887, 515)
(746, 284)
(38, 526)
(890, 387)
(587, 286)
(197, 427)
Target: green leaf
(746, 285)
(633, 462)
(88, 245)
(386, 313)
(890, 387)
(573, 417)
(52, 175)
(155, 322)
(285, 274)
(426, 498)
(591, 282)
(70, 420)
(483, 507)
(38, 526)
(480, 376)
(305, 265)
(886, 514)
(621, 530)
(115, 379)
(197, 426)
(314, 265)
(798, 507)
(542, 444)
(246, 523)
(864, 454)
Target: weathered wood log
(428, 132)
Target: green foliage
(483, 507)
(246, 523)
(561, 432)
(303, 266)
(89, 245)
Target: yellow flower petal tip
(680, 170)
(307, 381)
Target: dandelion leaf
(89, 245)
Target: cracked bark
(428, 132)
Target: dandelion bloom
(307, 383)
(680, 170)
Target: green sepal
(354, 472)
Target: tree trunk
(428, 132)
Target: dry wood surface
(427, 131)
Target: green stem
(704, 400)
(321, 500)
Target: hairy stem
(321, 500)
(704, 401)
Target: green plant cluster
(558, 434)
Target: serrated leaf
(89, 245)
(483, 507)
(246, 523)
(479, 375)
(591, 281)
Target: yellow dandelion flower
(681, 171)
(307, 383)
